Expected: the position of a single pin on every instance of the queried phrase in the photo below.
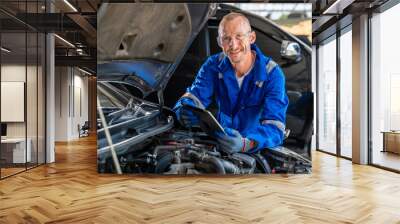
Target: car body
(145, 63)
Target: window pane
(346, 94)
(31, 100)
(327, 97)
(41, 98)
(385, 84)
(14, 147)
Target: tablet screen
(208, 123)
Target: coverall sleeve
(202, 89)
(270, 131)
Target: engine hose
(163, 161)
(159, 148)
(210, 142)
(230, 167)
(247, 160)
(216, 153)
(194, 156)
(138, 160)
(217, 164)
(262, 163)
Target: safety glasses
(225, 40)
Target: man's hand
(186, 117)
(233, 141)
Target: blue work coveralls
(257, 110)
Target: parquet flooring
(387, 159)
(10, 171)
(71, 191)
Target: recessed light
(5, 50)
(70, 5)
(64, 40)
(86, 72)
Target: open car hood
(142, 44)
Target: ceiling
(72, 20)
(76, 22)
(330, 15)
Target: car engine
(146, 139)
(181, 152)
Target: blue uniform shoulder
(210, 66)
(274, 72)
(212, 61)
(270, 65)
(216, 58)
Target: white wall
(61, 103)
(16, 73)
(33, 126)
(13, 73)
(10, 73)
(80, 83)
(71, 94)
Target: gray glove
(234, 142)
(184, 116)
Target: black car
(148, 54)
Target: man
(249, 89)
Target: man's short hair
(232, 16)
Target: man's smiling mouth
(234, 52)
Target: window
(385, 84)
(327, 96)
(346, 93)
(22, 75)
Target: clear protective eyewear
(225, 40)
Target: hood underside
(134, 37)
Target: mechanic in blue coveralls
(249, 89)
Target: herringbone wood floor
(71, 191)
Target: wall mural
(180, 92)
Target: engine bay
(182, 152)
(146, 139)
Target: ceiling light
(86, 72)
(337, 7)
(65, 41)
(5, 50)
(70, 5)
(80, 51)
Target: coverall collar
(259, 69)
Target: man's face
(235, 39)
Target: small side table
(391, 141)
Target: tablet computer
(208, 123)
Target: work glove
(185, 117)
(233, 142)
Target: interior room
(26, 91)
(334, 52)
(50, 92)
(22, 102)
